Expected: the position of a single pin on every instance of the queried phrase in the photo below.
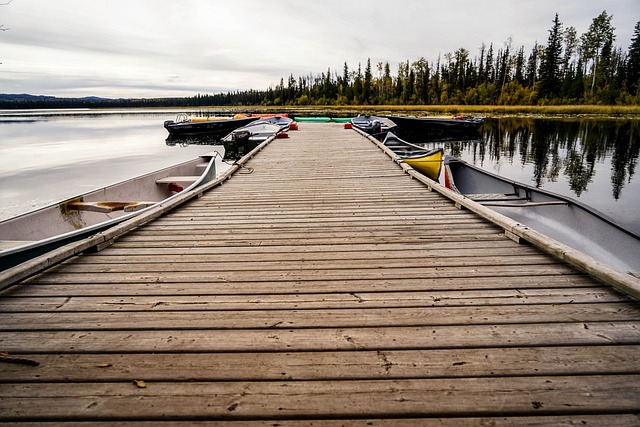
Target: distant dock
(319, 285)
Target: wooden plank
(58, 275)
(326, 264)
(612, 420)
(324, 339)
(198, 318)
(108, 207)
(84, 299)
(362, 251)
(302, 399)
(63, 286)
(332, 365)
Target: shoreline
(569, 111)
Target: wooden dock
(320, 285)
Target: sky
(167, 48)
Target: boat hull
(373, 125)
(561, 218)
(427, 162)
(37, 232)
(212, 128)
(423, 129)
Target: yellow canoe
(428, 164)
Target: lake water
(47, 156)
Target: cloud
(146, 48)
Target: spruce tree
(633, 63)
(551, 60)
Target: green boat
(314, 119)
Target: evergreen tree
(632, 68)
(518, 72)
(357, 86)
(489, 72)
(387, 86)
(368, 78)
(481, 73)
(550, 64)
(532, 65)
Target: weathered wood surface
(320, 285)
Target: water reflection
(568, 147)
(184, 141)
(233, 150)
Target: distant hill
(25, 97)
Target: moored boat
(434, 128)
(37, 232)
(242, 140)
(373, 125)
(216, 127)
(255, 132)
(561, 218)
(427, 162)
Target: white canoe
(34, 233)
(563, 219)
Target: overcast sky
(157, 48)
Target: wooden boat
(216, 127)
(561, 218)
(373, 125)
(433, 128)
(37, 232)
(427, 162)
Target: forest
(570, 69)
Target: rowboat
(373, 125)
(561, 218)
(427, 162)
(259, 130)
(433, 128)
(215, 127)
(37, 232)
(242, 140)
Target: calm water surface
(46, 157)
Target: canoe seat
(501, 200)
(492, 197)
(170, 179)
(8, 244)
(108, 207)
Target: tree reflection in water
(590, 159)
(570, 147)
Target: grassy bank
(449, 110)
